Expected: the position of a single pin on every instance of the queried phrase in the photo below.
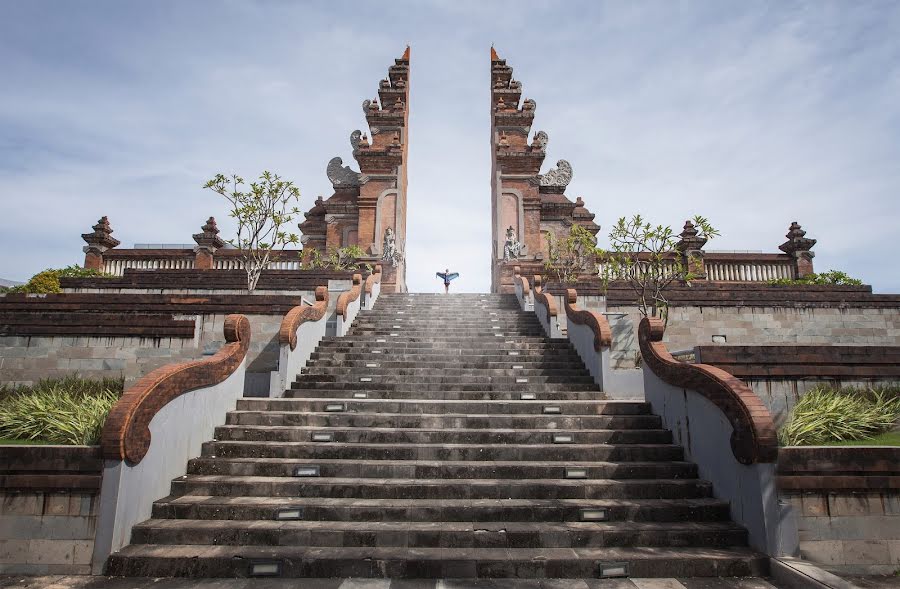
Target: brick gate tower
(368, 208)
(525, 204)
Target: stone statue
(389, 248)
(512, 249)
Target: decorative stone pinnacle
(494, 56)
(384, 84)
(405, 56)
(690, 242)
(529, 104)
(209, 238)
(797, 243)
(558, 177)
(101, 239)
(341, 176)
(541, 139)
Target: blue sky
(753, 114)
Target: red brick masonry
(126, 433)
(754, 438)
(839, 468)
(597, 322)
(791, 361)
(287, 333)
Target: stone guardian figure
(512, 249)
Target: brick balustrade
(126, 433)
(754, 439)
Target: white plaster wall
(309, 334)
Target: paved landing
(81, 582)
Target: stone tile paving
(875, 581)
(86, 582)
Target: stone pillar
(98, 242)
(690, 248)
(798, 246)
(207, 243)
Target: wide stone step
(273, 417)
(391, 363)
(438, 510)
(549, 452)
(388, 435)
(439, 534)
(449, 406)
(386, 353)
(450, 563)
(223, 485)
(440, 469)
(440, 383)
(375, 368)
(511, 396)
(467, 345)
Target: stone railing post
(798, 246)
(208, 241)
(98, 242)
(691, 249)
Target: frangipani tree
(263, 214)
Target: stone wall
(49, 502)
(27, 359)
(846, 505)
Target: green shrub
(47, 282)
(826, 415)
(832, 278)
(69, 410)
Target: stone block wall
(49, 502)
(27, 359)
(846, 504)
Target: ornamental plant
(832, 277)
(645, 257)
(47, 281)
(569, 257)
(263, 214)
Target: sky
(753, 114)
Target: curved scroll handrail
(349, 296)
(549, 302)
(373, 279)
(287, 333)
(754, 438)
(597, 322)
(126, 433)
(526, 288)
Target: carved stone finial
(399, 105)
(690, 242)
(798, 246)
(558, 177)
(358, 140)
(541, 139)
(209, 238)
(341, 176)
(101, 238)
(529, 104)
(515, 85)
(504, 142)
(384, 84)
(395, 142)
(369, 106)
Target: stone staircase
(445, 436)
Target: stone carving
(541, 139)
(529, 104)
(355, 137)
(560, 176)
(515, 85)
(369, 105)
(341, 176)
(385, 84)
(390, 252)
(375, 130)
(512, 249)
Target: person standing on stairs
(447, 276)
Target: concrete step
(399, 562)
(450, 406)
(390, 393)
(438, 510)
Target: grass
(67, 410)
(885, 439)
(827, 415)
(15, 442)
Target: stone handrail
(373, 279)
(523, 290)
(126, 433)
(349, 296)
(597, 322)
(754, 439)
(522, 281)
(287, 334)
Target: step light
(594, 515)
(307, 471)
(527, 397)
(517, 366)
(334, 407)
(289, 514)
(324, 437)
(265, 568)
(365, 379)
(376, 351)
(492, 313)
(360, 395)
(552, 409)
(380, 341)
(395, 326)
(521, 380)
(611, 570)
(498, 335)
(495, 327)
(394, 334)
(401, 312)
(510, 342)
(513, 353)
(563, 439)
(371, 365)
(494, 320)
(576, 473)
